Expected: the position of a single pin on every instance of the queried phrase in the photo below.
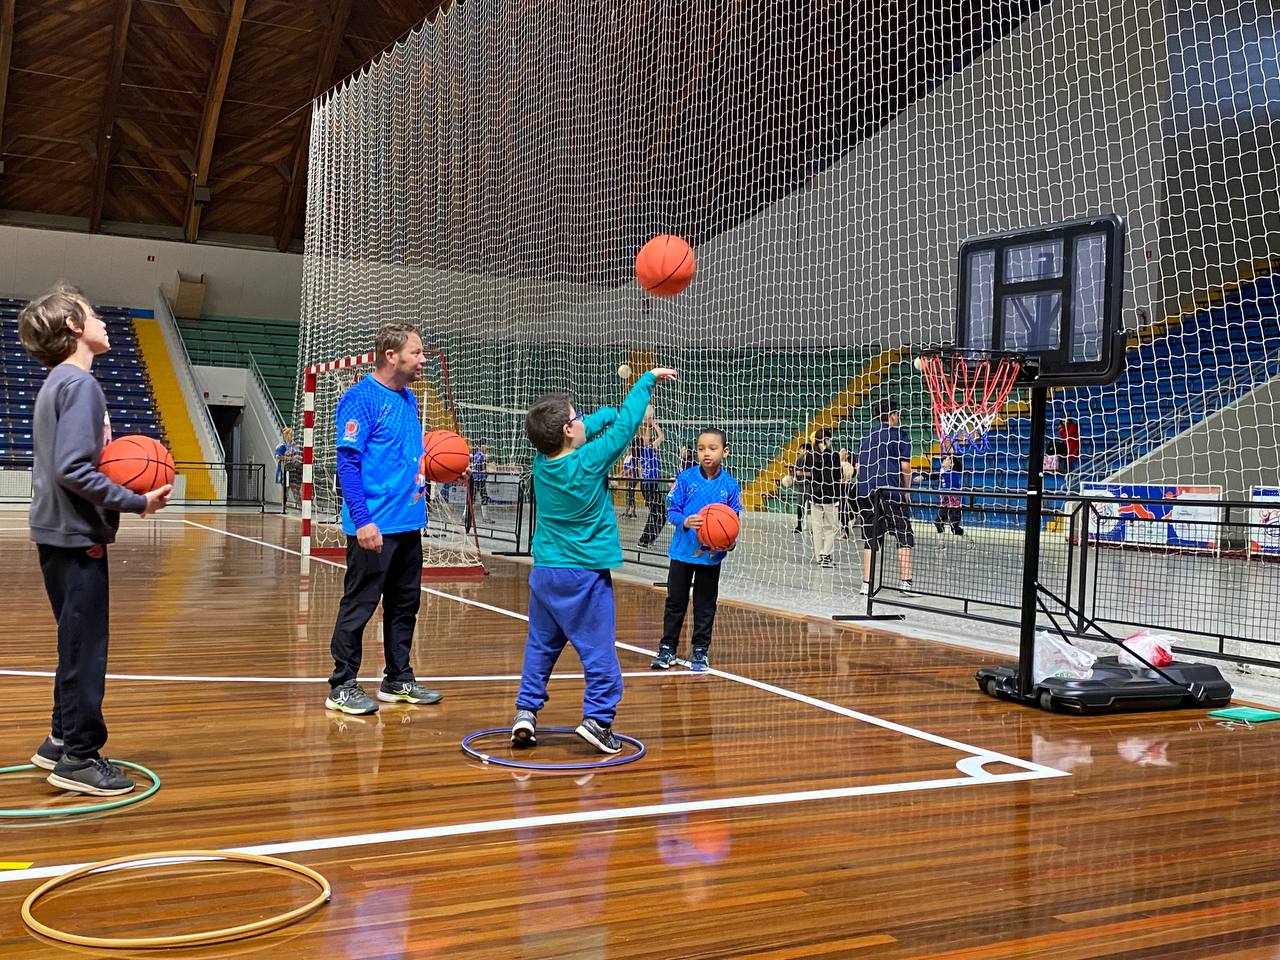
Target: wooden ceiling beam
(332, 44)
(107, 118)
(209, 122)
(6, 53)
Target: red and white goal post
(449, 549)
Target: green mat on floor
(1247, 714)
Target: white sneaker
(906, 590)
(865, 588)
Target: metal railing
(1197, 569)
(194, 396)
(234, 484)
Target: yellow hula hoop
(188, 939)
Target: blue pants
(572, 606)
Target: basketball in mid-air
(664, 265)
(719, 530)
(446, 456)
(140, 463)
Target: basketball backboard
(1052, 294)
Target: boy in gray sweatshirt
(75, 511)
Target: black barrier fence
(1203, 570)
(229, 484)
(199, 483)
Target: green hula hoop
(92, 808)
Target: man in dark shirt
(884, 461)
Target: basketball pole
(1031, 542)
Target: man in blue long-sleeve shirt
(692, 564)
(383, 513)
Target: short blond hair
(47, 326)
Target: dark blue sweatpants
(572, 606)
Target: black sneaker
(598, 735)
(665, 658)
(97, 777)
(48, 753)
(524, 731)
(407, 692)
(350, 698)
(699, 663)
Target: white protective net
(450, 541)
(492, 178)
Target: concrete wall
(124, 271)
(1222, 144)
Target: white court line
(581, 816)
(989, 756)
(197, 679)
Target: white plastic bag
(1155, 648)
(1057, 658)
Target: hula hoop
(618, 761)
(187, 939)
(91, 808)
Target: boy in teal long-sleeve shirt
(575, 543)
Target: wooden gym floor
(829, 792)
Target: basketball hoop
(967, 388)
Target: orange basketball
(140, 463)
(446, 458)
(719, 530)
(664, 265)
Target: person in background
(848, 491)
(950, 509)
(824, 510)
(651, 485)
(1069, 442)
(286, 454)
(801, 472)
(631, 477)
(884, 466)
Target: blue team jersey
(949, 480)
(382, 426)
(650, 465)
(693, 491)
(880, 457)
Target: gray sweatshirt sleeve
(82, 410)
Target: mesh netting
(494, 175)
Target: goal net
(493, 176)
(449, 540)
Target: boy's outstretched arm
(612, 442)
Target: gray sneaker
(350, 698)
(407, 692)
(598, 735)
(48, 753)
(97, 777)
(524, 731)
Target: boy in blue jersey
(950, 510)
(575, 543)
(693, 565)
(383, 513)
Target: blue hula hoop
(617, 761)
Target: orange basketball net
(967, 389)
